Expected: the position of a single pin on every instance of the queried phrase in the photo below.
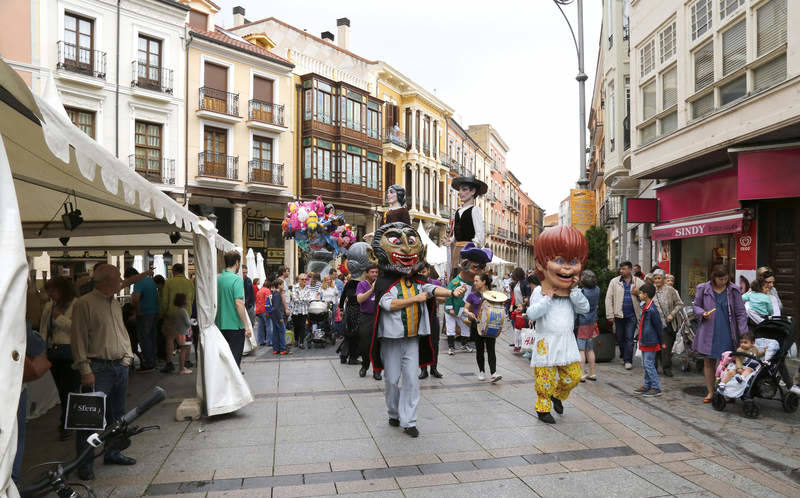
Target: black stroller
(766, 382)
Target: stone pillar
(435, 180)
(237, 224)
(413, 138)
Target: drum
(492, 315)
(318, 311)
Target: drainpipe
(188, 37)
(116, 93)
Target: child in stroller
(743, 366)
(774, 336)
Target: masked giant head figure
(399, 249)
(474, 261)
(561, 253)
(360, 256)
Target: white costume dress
(555, 320)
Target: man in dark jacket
(249, 296)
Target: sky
(511, 63)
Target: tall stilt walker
(466, 225)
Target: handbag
(337, 315)
(527, 338)
(59, 352)
(86, 411)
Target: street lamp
(583, 182)
(265, 221)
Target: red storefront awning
(718, 223)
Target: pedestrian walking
(365, 295)
(587, 324)
(348, 304)
(302, 295)
(183, 326)
(232, 319)
(55, 328)
(146, 308)
(520, 294)
(623, 311)
(719, 307)
(669, 304)
(429, 273)
(177, 284)
(249, 296)
(263, 309)
(650, 342)
(278, 318)
(472, 307)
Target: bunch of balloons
(315, 226)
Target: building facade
(714, 123)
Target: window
(307, 162)
(351, 111)
(78, 43)
(667, 43)
(648, 100)
(149, 66)
(704, 66)
(353, 172)
(733, 91)
(373, 120)
(198, 20)
(703, 106)
(769, 74)
(426, 134)
(148, 148)
(215, 161)
(728, 7)
(669, 123)
(669, 88)
(647, 57)
(611, 122)
(373, 171)
(82, 119)
(771, 26)
(648, 133)
(308, 104)
(734, 48)
(262, 149)
(701, 18)
(610, 22)
(324, 110)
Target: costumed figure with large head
(473, 261)
(561, 253)
(466, 225)
(360, 257)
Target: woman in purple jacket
(719, 308)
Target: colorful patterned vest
(410, 315)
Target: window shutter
(647, 57)
(216, 77)
(262, 89)
(771, 32)
(198, 20)
(734, 48)
(704, 66)
(649, 101)
(769, 74)
(703, 106)
(669, 86)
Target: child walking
(472, 307)
(183, 325)
(650, 342)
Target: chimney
(238, 16)
(343, 25)
(327, 35)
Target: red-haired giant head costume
(562, 242)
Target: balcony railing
(151, 78)
(218, 165)
(444, 211)
(426, 149)
(610, 210)
(395, 137)
(265, 112)
(265, 172)
(426, 204)
(81, 60)
(219, 101)
(156, 170)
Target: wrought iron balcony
(266, 112)
(426, 204)
(219, 101)
(610, 210)
(81, 60)
(156, 170)
(444, 211)
(265, 172)
(151, 78)
(426, 149)
(395, 137)
(218, 165)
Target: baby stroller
(774, 333)
(686, 333)
(319, 315)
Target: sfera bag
(86, 411)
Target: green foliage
(597, 238)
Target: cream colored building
(240, 134)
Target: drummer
(472, 308)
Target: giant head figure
(360, 256)
(396, 194)
(474, 261)
(561, 253)
(399, 249)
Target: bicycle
(120, 431)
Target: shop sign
(582, 209)
(699, 228)
(746, 247)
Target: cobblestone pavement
(316, 428)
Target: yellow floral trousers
(547, 385)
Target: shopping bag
(289, 337)
(527, 337)
(86, 411)
(679, 347)
(637, 353)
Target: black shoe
(118, 459)
(436, 373)
(557, 405)
(424, 374)
(411, 431)
(546, 417)
(86, 474)
(189, 364)
(668, 373)
(377, 375)
(343, 360)
(353, 361)
(168, 368)
(394, 422)
(301, 346)
(362, 372)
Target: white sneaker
(495, 378)
(628, 366)
(467, 348)
(451, 352)
(481, 376)
(795, 389)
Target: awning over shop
(715, 224)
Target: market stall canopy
(497, 260)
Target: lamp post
(265, 222)
(583, 182)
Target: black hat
(470, 181)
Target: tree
(597, 238)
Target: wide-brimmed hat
(476, 254)
(470, 180)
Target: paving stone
(167, 477)
(538, 469)
(732, 477)
(347, 475)
(327, 488)
(325, 451)
(628, 461)
(672, 447)
(163, 489)
(731, 463)
(426, 480)
(556, 446)
(237, 493)
(602, 483)
(506, 488)
(401, 461)
(664, 479)
(671, 457)
(409, 470)
(716, 486)
(205, 486)
(375, 463)
(402, 445)
(242, 472)
(302, 468)
(493, 463)
(680, 468)
(272, 482)
(514, 451)
(783, 487)
(211, 438)
(216, 458)
(463, 455)
(369, 486)
(490, 474)
(507, 438)
(588, 464)
(438, 468)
